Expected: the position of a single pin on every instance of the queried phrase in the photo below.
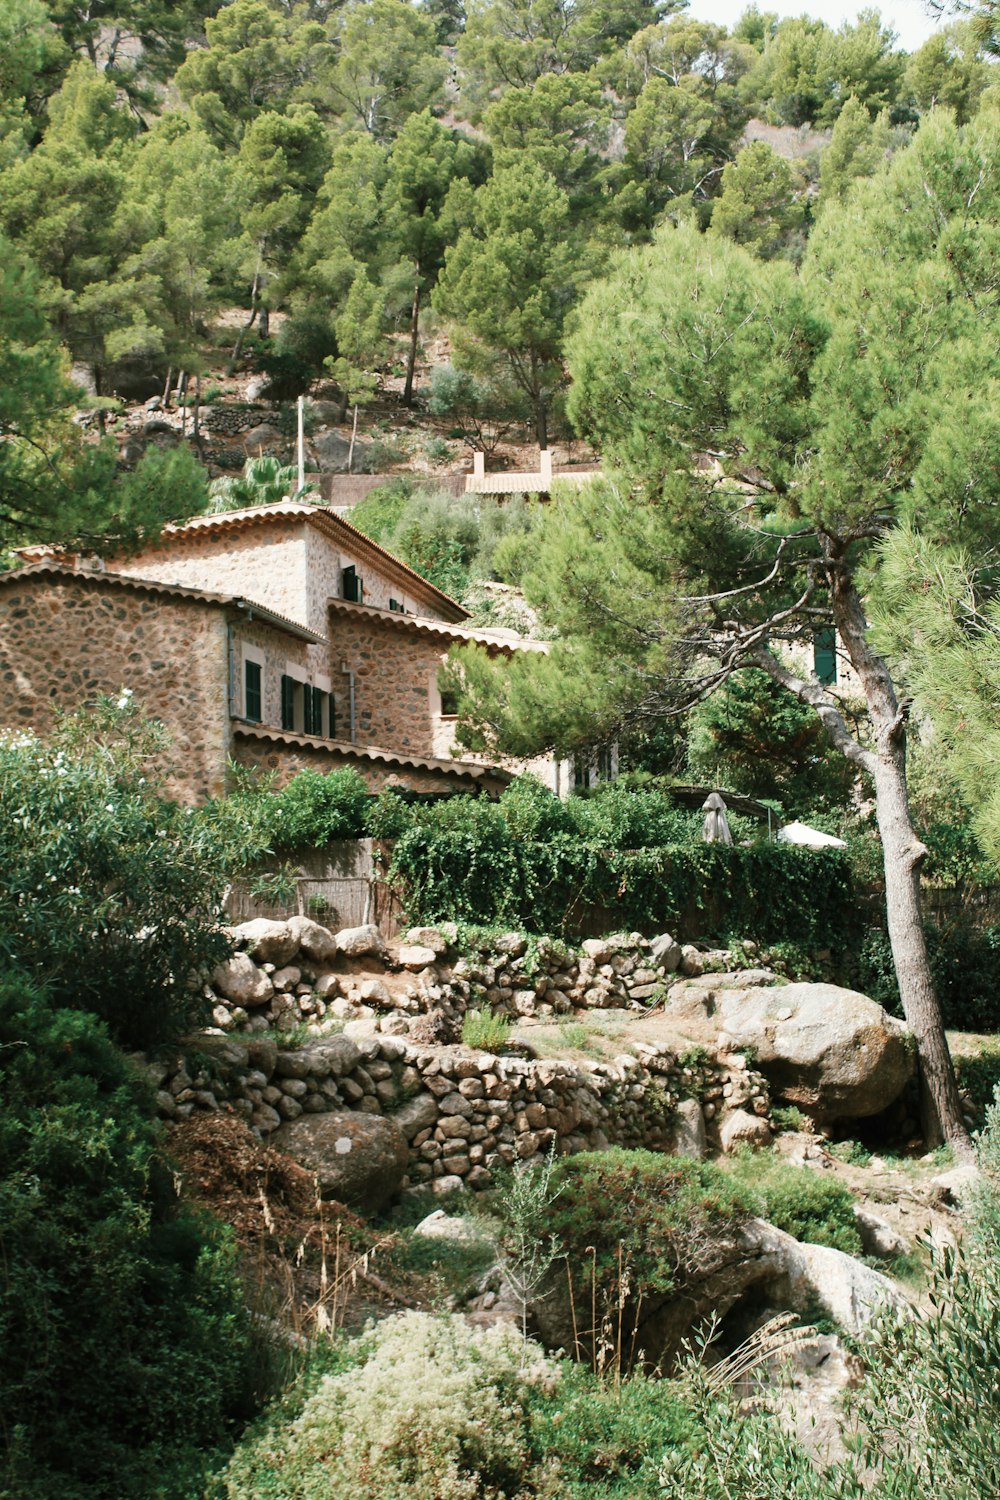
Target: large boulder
(333, 451)
(266, 941)
(358, 1159)
(241, 982)
(832, 1052)
(743, 1266)
(361, 942)
(316, 942)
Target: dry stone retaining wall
(462, 1112)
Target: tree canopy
(762, 430)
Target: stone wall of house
(278, 654)
(287, 760)
(326, 562)
(395, 670)
(65, 641)
(265, 563)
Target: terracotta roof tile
(493, 640)
(465, 768)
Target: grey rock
(263, 436)
(689, 1130)
(428, 937)
(240, 980)
(338, 1055)
(267, 942)
(878, 1237)
(665, 952)
(332, 452)
(740, 1128)
(415, 957)
(451, 1229)
(418, 1113)
(316, 942)
(361, 942)
(359, 1159)
(832, 1052)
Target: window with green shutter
(825, 656)
(253, 698)
(352, 586)
(288, 702)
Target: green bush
(438, 1409)
(431, 1408)
(109, 895)
(126, 1352)
(965, 963)
(522, 862)
(815, 1209)
(483, 1029)
(316, 807)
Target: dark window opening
(449, 703)
(314, 704)
(253, 697)
(352, 585)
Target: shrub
(483, 1029)
(965, 963)
(813, 1208)
(108, 894)
(316, 807)
(124, 1343)
(523, 862)
(438, 1409)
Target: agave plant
(264, 481)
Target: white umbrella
(808, 838)
(715, 829)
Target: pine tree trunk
(541, 424)
(354, 434)
(412, 358)
(902, 853)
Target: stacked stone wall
(463, 1112)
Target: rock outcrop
(832, 1052)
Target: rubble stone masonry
(63, 642)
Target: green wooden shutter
(825, 656)
(253, 697)
(287, 702)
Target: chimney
(545, 465)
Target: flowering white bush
(437, 1412)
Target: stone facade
(66, 640)
(261, 584)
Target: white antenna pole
(302, 448)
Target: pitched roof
(127, 581)
(338, 530)
(465, 768)
(494, 641)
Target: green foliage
(633, 1228)
(756, 737)
(449, 540)
(804, 1203)
(314, 808)
(109, 895)
(303, 347)
(521, 862)
(978, 1075)
(965, 963)
(757, 205)
(265, 481)
(126, 1351)
(485, 1030)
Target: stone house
(278, 636)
